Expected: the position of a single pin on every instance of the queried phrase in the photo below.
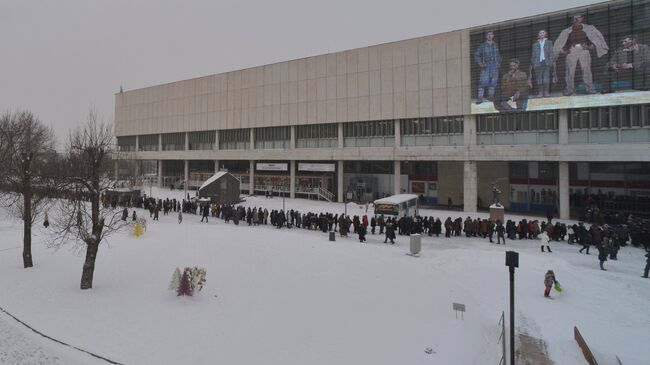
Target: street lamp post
(512, 261)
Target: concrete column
(216, 166)
(339, 182)
(216, 140)
(563, 127)
(252, 141)
(398, 134)
(186, 172)
(292, 178)
(340, 134)
(160, 142)
(469, 186)
(564, 189)
(469, 130)
(117, 169)
(397, 178)
(187, 141)
(251, 176)
(137, 168)
(137, 143)
(292, 141)
(160, 173)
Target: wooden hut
(221, 188)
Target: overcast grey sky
(62, 57)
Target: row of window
(431, 126)
(173, 141)
(380, 128)
(273, 134)
(624, 116)
(317, 131)
(513, 122)
(203, 140)
(627, 116)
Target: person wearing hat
(549, 281)
(647, 265)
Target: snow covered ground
(292, 297)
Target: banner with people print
(592, 56)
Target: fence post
(583, 346)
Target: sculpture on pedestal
(495, 194)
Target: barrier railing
(589, 356)
(502, 337)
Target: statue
(495, 194)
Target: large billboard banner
(594, 56)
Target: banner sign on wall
(261, 166)
(595, 56)
(323, 167)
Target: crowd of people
(607, 238)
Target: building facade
(548, 120)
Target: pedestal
(497, 213)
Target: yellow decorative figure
(137, 230)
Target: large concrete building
(410, 116)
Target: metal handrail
(502, 337)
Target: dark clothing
(577, 36)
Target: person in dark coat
(437, 227)
(585, 238)
(448, 227)
(361, 231)
(206, 213)
(500, 230)
(602, 256)
(647, 265)
(135, 217)
(373, 225)
(125, 214)
(390, 232)
(490, 230)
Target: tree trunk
(27, 243)
(27, 221)
(89, 265)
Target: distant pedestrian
(180, 217)
(361, 231)
(544, 241)
(602, 256)
(500, 232)
(647, 265)
(549, 281)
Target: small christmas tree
(185, 287)
(176, 280)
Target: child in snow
(549, 281)
(544, 241)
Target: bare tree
(26, 145)
(82, 219)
